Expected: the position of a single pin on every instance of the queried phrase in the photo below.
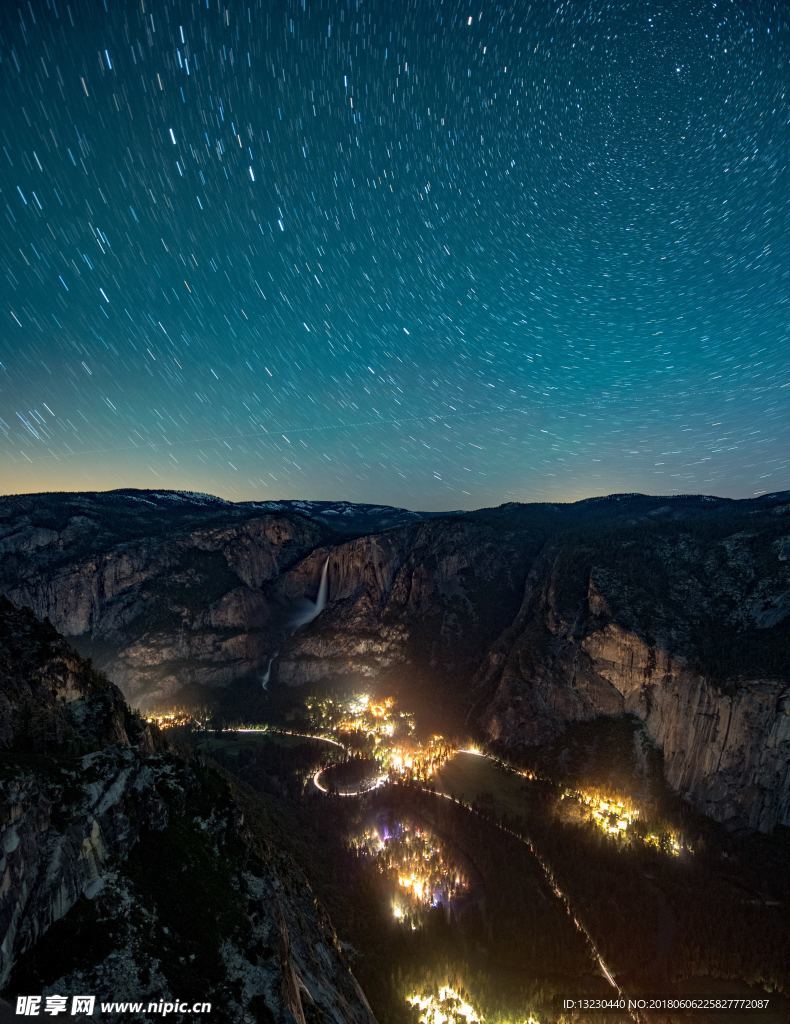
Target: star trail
(436, 254)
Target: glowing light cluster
(611, 815)
(422, 873)
(446, 1005)
(176, 717)
(371, 722)
(376, 727)
(667, 842)
(418, 761)
(620, 820)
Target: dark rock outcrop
(681, 624)
(125, 869)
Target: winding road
(525, 840)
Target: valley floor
(573, 911)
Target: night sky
(436, 254)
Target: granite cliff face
(726, 752)
(516, 620)
(685, 627)
(161, 593)
(428, 599)
(174, 594)
(125, 869)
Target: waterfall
(323, 587)
(268, 673)
(308, 610)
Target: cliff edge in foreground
(128, 872)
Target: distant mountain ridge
(344, 517)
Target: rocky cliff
(174, 594)
(517, 619)
(681, 623)
(133, 874)
(424, 602)
(162, 592)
